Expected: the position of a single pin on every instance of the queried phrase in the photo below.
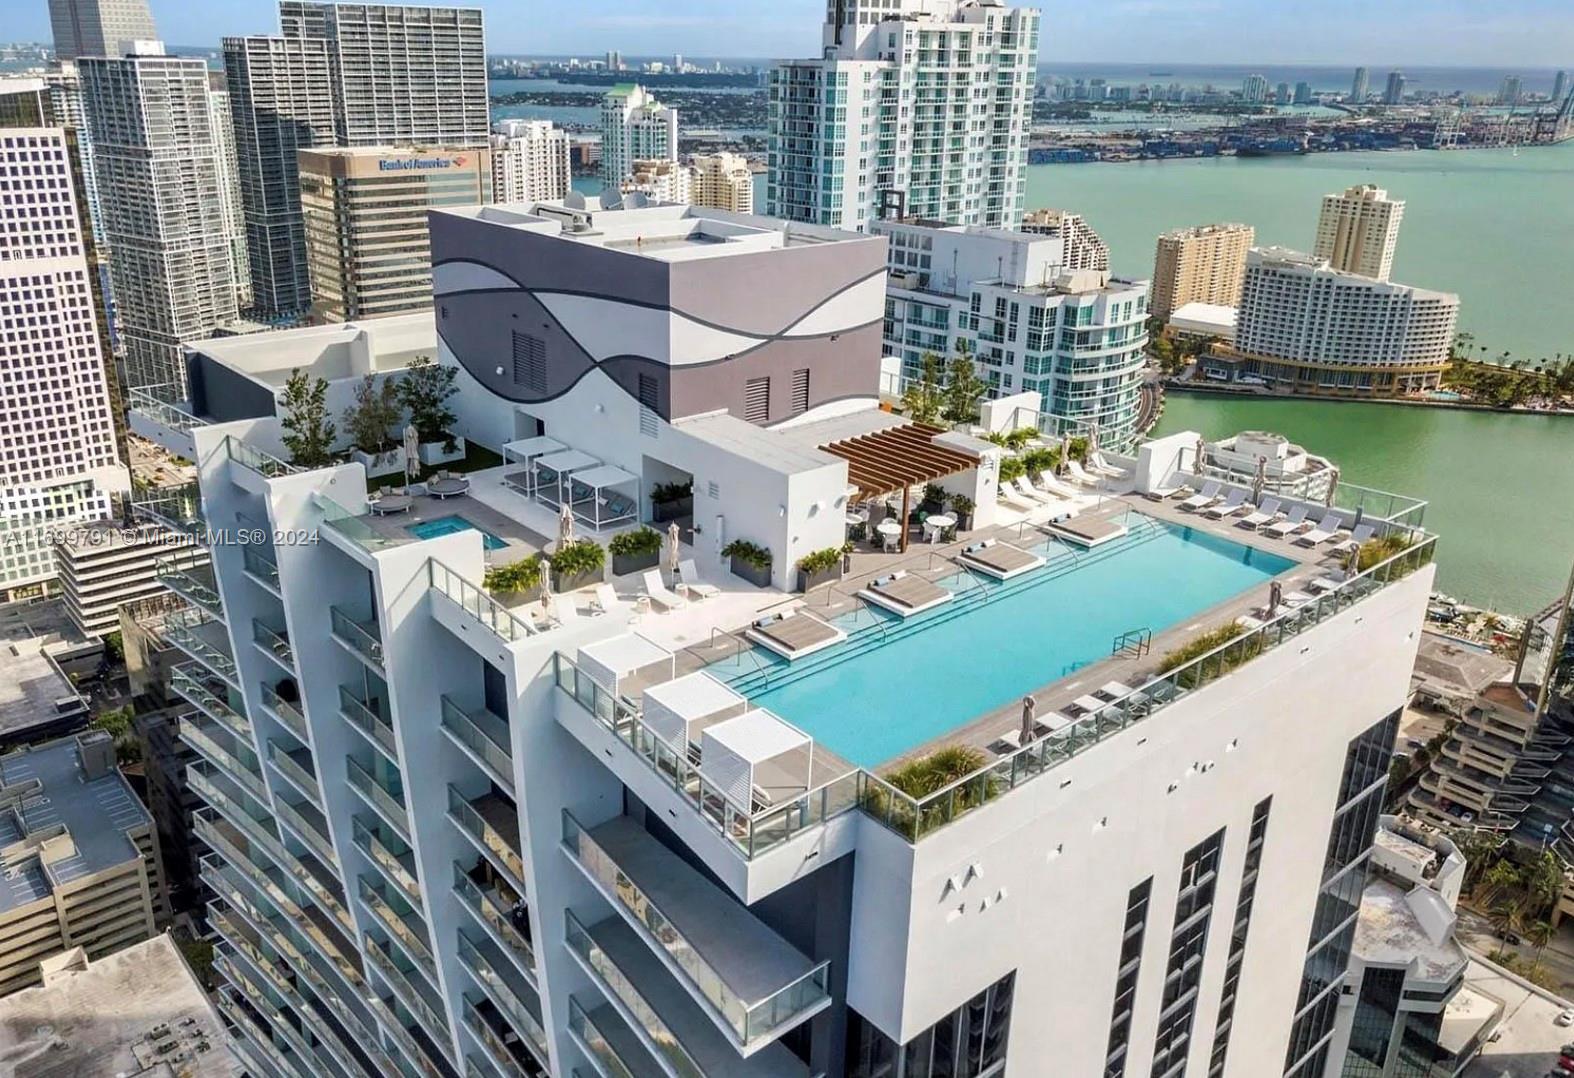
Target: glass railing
(275, 643)
(667, 1044)
(241, 767)
(363, 638)
(503, 996)
(180, 629)
(490, 838)
(318, 841)
(477, 603)
(260, 565)
(177, 508)
(259, 1041)
(299, 776)
(192, 684)
(256, 828)
(193, 583)
(288, 713)
(353, 527)
(392, 865)
(591, 1039)
(749, 1022)
(264, 464)
(374, 725)
(492, 1040)
(411, 937)
(490, 748)
(162, 404)
(750, 832)
(408, 994)
(388, 803)
(493, 912)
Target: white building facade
(1358, 230)
(721, 181)
(231, 209)
(635, 127)
(529, 161)
(1029, 322)
(917, 108)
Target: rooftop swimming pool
(431, 529)
(894, 685)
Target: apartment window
(1243, 916)
(530, 362)
(800, 391)
(757, 400)
(1188, 943)
(970, 1042)
(1126, 977)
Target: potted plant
(374, 412)
(669, 501)
(962, 507)
(819, 567)
(424, 392)
(576, 564)
(514, 583)
(750, 561)
(634, 550)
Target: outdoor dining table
(938, 523)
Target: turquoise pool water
(431, 529)
(869, 700)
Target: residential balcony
(385, 795)
(391, 856)
(194, 583)
(418, 1058)
(407, 928)
(260, 1042)
(477, 605)
(492, 825)
(369, 719)
(274, 644)
(309, 825)
(205, 639)
(282, 1024)
(493, 904)
(298, 769)
(177, 508)
(505, 1050)
(286, 712)
(425, 1009)
(483, 737)
(228, 753)
(609, 1044)
(213, 696)
(363, 639)
(752, 984)
(258, 563)
(519, 1006)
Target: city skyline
(1531, 33)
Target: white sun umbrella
(412, 453)
(565, 526)
(672, 548)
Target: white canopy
(567, 460)
(677, 709)
(526, 448)
(609, 661)
(608, 475)
(756, 754)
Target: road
(1476, 932)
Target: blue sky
(1529, 33)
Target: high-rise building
(1203, 264)
(530, 161)
(231, 207)
(365, 211)
(634, 127)
(721, 181)
(1308, 327)
(659, 180)
(1282, 95)
(1303, 93)
(1254, 89)
(1510, 90)
(61, 464)
(1081, 247)
(158, 178)
(99, 27)
(107, 563)
(343, 75)
(476, 836)
(916, 108)
(67, 110)
(1358, 86)
(1560, 87)
(1394, 92)
(81, 860)
(1028, 318)
(1358, 230)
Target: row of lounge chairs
(689, 586)
(1113, 695)
(1270, 518)
(1023, 493)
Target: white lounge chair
(1011, 497)
(1294, 522)
(689, 582)
(1234, 501)
(1051, 482)
(1326, 529)
(659, 593)
(1025, 488)
(1078, 475)
(603, 600)
(1198, 502)
(1267, 512)
(1164, 490)
(1355, 539)
(1324, 584)
(1104, 467)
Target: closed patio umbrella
(1029, 706)
(1260, 480)
(1333, 485)
(412, 453)
(565, 526)
(1202, 452)
(672, 549)
(1065, 454)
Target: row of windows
(1243, 914)
(1188, 944)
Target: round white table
(890, 530)
(938, 523)
(857, 516)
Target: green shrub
(579, 557)
(939, 769)
(960, 503)
(1378, 550)
(1020, 437)
(927, 776)
(1040, 458)
(634, 543)
(819, 561)
(524, 575)
(1011, 468)
(671, 492)
(1203, 643)
(751, 554)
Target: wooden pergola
(898, 459)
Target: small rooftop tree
(373, 415)
(308, 432)
(424, 391)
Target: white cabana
(756, 759)
(679, 711)
(551, 470)
(524, 452)
(604, 496)
(617, 660)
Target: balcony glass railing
(407, 993)
(504, 997)
(306, 830)
(387, 800)
(211, 696)
(412, 1060)
(261, 566)
(164, 404)
(485, 736)
(391, 856)
(407, 929)
(478, 604)
(492, 842)
(749, 1022)
(362, 638)
(274, 644)
(352, 527)
(606, 1057)
(239, 764)
(183, 629)
(249, 456)
(300, 776)
(286, 711)
(193, 583)
(495, 912)
(369, 721)
(485, 1026)
(177, 508)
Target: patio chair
(690, 584)
(1105, 468)
(1290, 525)
(660, 594)
(1267, 512)
(1355, 539)
(1078, 475)
(1200, 501)
(603, 600)
(1051, 482)
(1233, 503)
(1032, 493)
(1017, 500)
(1326, 529)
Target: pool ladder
(1133, 643)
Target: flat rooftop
(1454, 668)
(1387, 932)
(137, 1012)
(33, 690)
(333, 352)
(95, 813)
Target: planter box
(661, 512)
(810, 581)
(760, 578)
(562, 582)
(512, 599)
(964, 521)
(433, 453)
(379, 464)
(624, 564)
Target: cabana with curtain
(604, 496)
(680, 711)
(552, 472)
(524, 452)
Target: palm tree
(1539, 935)
(1502, 917)
(1502, 876)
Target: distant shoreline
(1409, 402)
